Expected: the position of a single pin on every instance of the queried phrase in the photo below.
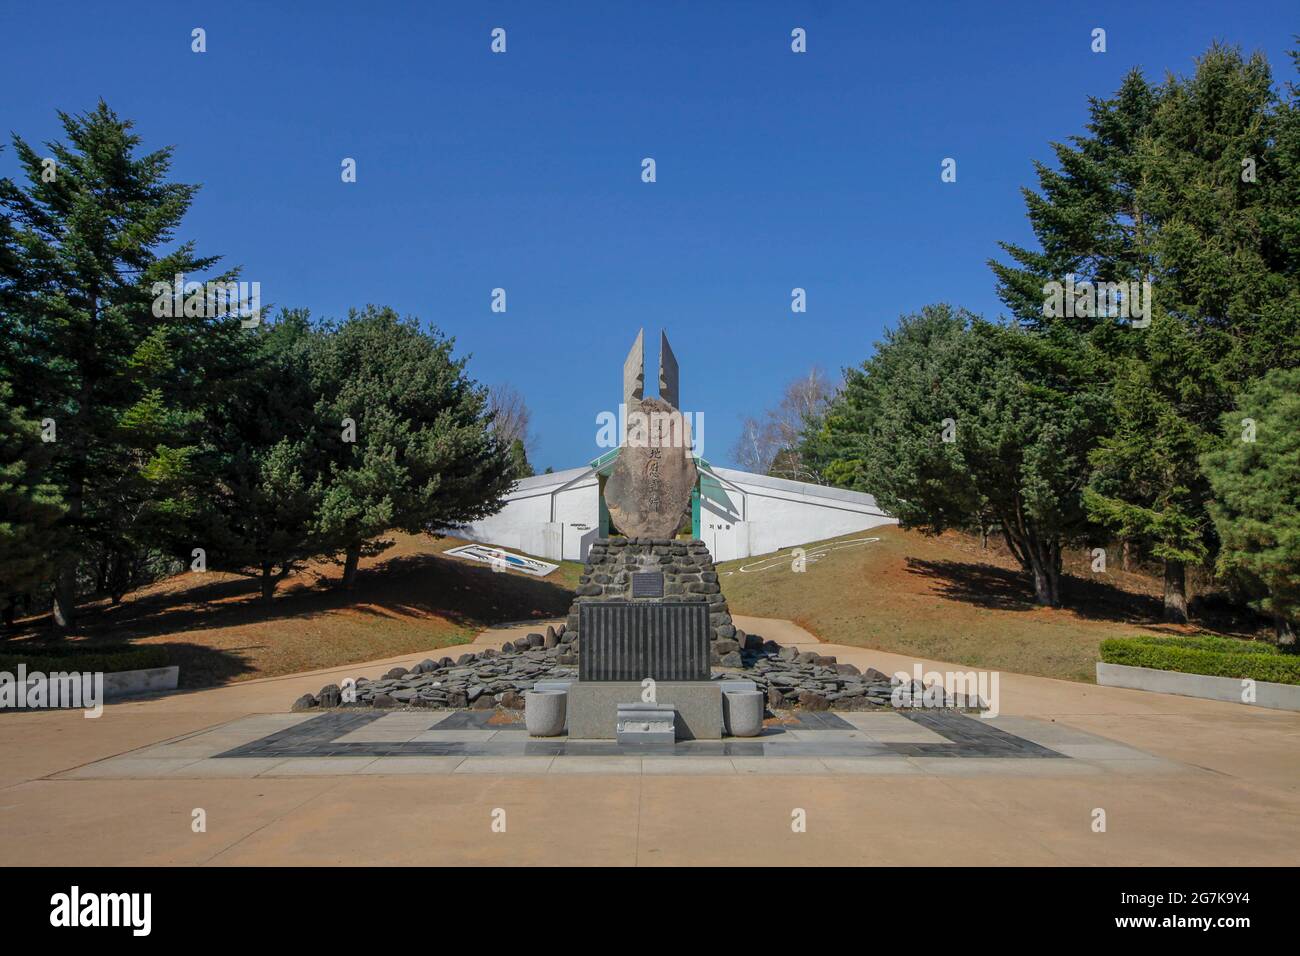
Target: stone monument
(649, 492)
(649, 614)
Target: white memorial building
(737, 514)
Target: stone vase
(544, 712)
(742, 713)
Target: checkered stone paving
(346, 742)
(814, 734)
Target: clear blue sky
(522, 170)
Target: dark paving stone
(592, 748)
(718, 748)
(970, 737)
(543, 748)
(319, 737)
(845, 748)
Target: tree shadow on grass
(203, 666)
(1007, 589)
(406, 586)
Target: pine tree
(954, 422)
(29, 507)
(1219, 188)
(1254, 471)
(265, 456)
(1225, 309)
(1192, 187)
(1087, 218)
(125, 387)
(424, 456)
(520, 467)
(1147, 485)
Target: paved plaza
(474, 741)
(1180, 781)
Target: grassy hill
(948, 599)
(411, 598)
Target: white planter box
(1267, 694)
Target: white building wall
(558, 515)
(761, 515)
(543, 518)
(577, 510)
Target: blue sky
(522, 170)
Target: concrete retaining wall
(126, 683)
(1267, 694)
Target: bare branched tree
(753, 451)
(512, 419)
(771, 445)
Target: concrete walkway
(1205, 783)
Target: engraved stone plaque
(647, 584)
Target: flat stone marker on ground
(646, 724)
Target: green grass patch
(1211, 656)
(105, 658)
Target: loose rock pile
(793, 679)
(789, 678)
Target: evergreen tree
(1225, 309)
(424, 455)
(1254, 471)
(29, 507)
(1087, 217)
(81, 253)
(786, 463)
(1224, 257)
(1091, 228)
(1191, 187)
(1147, 485)
(266, 457)
(955, 420)
(520, 467)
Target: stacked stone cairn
(790, 679)
(689, 576)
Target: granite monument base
(593, 707)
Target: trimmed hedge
(106, 658)
(1211, 656)
(1222, 645)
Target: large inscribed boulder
(649, 490)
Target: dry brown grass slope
(409, 599)
(948, 599)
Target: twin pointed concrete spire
(667, 372)
(634, 371)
